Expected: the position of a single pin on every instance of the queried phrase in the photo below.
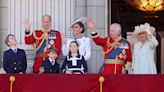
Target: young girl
(74, 63)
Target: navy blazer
(14, 62)
(49, 68)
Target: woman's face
(73, 48)
(142, 36)
(76, 29)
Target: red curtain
(82, 83)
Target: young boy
(50, 65)
(14, 59)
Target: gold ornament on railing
(12, 79)
(101, 80)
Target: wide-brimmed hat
(144, 28)
(83, 20)
(133, 38)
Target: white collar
(51, 60)
(14, 48)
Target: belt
(42, 55)
(114, 61)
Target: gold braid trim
(111, 46)
(40, 44)
(37, 38)
(44, 36)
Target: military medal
(121, 56)
(123, 51)
(51, 42)
(49, 46)
(52, 35)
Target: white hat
(144, 28)
(139, 29)
(83, 20)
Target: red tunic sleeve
(99, 41)
(128, 53)
(58, 43)
(30, 39)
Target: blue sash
(52, 35)
(115, 52)
(41, 47)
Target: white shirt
(143, 57)
(14, 49)
(84, 47)
(51, 61)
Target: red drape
(82, 83)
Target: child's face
(73, 48)
(12, 41)
(52, 55)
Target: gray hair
(117, 26)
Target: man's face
(52, 55)
(46, 22)
(113, 32)
(12, 41)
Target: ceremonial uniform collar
(117, 39)
(48, 30)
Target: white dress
(84, 47)
(143, 57)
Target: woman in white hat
(143, 51)
(84, 42)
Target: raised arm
(153, 41)
(96, 38)
(29, 39)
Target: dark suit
(14, 62)
(49, 68)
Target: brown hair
(81, 25)
(7, 39)
(52, 49)
(46, 16)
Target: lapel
(49, 63)
(13, 54)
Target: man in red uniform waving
(43, 39)
(117, 51)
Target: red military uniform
(116, 54)
(43, 40)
